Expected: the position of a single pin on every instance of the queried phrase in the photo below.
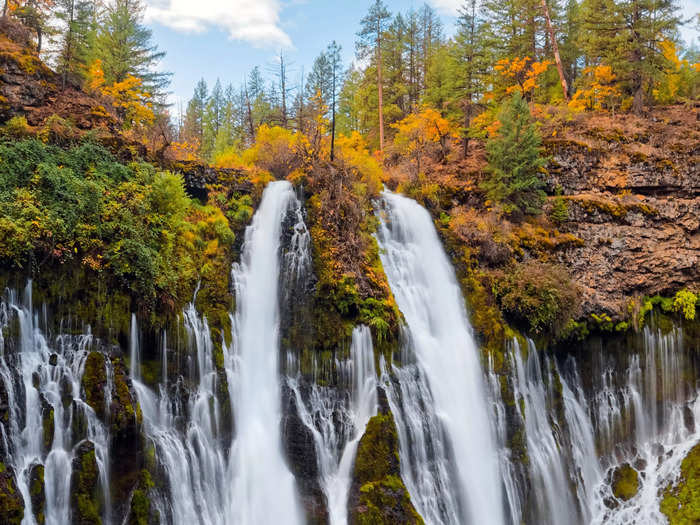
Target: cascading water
(263, 488)
(634, 407)
(192, 458)
(337, 417)
(42, 382)
(440, 337)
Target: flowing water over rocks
(252, 432)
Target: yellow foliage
(185, 150)
(128, 96)
(599, 92)
(520, 74)
(353, 153)
(678, 77)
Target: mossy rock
(47, 422)
(94, 381)
(37, 493)
(141, 512)
(681, 502)
(378, 494)
(11, 503)
(625, 482)
(86, 505)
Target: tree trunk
(555, 49)
(333, 118)
(380, 87)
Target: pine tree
(336, 69)
(515, 160)
(193, 131)
(77, 38)
(369, 44)
(124, 46)
(626, 34)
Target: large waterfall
(263, 488)
(447, 358)
(538, 440)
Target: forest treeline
(613, 55)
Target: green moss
(94, 381)
(625, 482)
(37, 494)
(11, 504)
(140, 503)
(382, 498)
(681, 502)
(85, 496)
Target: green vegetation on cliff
(127, 225)
(381, 497)
(681, 501)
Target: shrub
(539, 296)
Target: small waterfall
(440, 337)
(190, 453)
(134, 350)
(635, 406)
(263, 488)
(337, 417)
(42, 381)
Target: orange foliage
(128, 97)
(601, 91)
(186, 151)
(520, 74)
(421, 133)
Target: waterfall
(263, 488)
(635, 407)
(337, 417)
(440, 337)
(42, 381)
(191, 456)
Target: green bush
(540, 297)
(515, 161)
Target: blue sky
(224, 39)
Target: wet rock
(378, 494)
(625, 482)
(47, 422)
(86, 505)
(93, 383)
(301, 453)
(11, 503)
(37, 493)
(126, 440)
(53, 359)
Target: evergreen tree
(76, 39)
(515, 160)
(626, 34)
(124, 46)
(194, 116)
(336, 69)
(369, 45)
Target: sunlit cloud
(254, 21)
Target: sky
(225, 39)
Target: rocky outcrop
(84, 487)
(11, 503)
(378, 495)
(633, 192)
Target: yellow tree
(421, 134)
(519, 74)
(599, 90)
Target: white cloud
(449, 7)
(254, 21)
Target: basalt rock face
(633, 192)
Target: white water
(337, 417)
(192, 458)
(33, 387)
(439, 334)
(571, 459)
(263, 488)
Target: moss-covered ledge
(378, 495)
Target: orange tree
(420, 135)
